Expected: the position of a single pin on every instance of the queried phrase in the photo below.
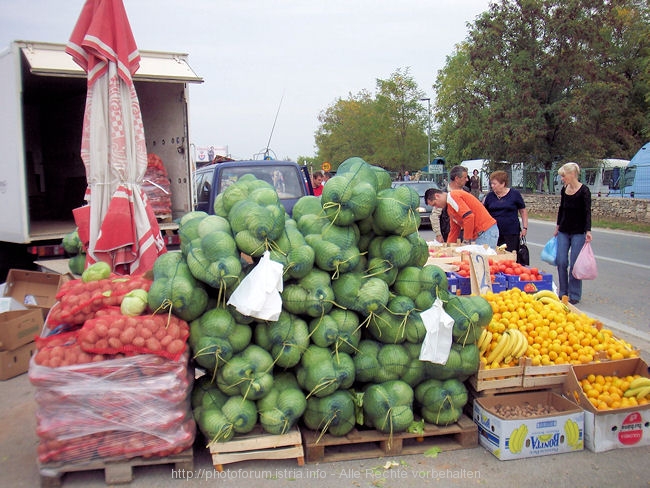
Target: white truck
(42, 176)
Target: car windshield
(418, 186)
(284, 179)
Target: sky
(270, 67)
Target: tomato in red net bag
(164, 335)
(78, 301)
(63, 350)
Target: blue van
(635, 180)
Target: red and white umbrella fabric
(118, 225)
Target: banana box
(554, 425)
(610, 429)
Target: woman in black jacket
(573, 229)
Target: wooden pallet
(258, 445)
(367, 444)
(115, 472)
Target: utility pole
(428, 100)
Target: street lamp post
(428, 100)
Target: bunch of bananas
(639, 388)
(511, 345)
(517, 438)
(550, 298)
(572, 431)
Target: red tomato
(530, 288)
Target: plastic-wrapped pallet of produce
(157, 187)
(110, 407)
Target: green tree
(403, 138)
(346, 129)
(388, 129)
(542, 81)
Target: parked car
(420, 187)
(290, 180)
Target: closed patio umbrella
(117, 226)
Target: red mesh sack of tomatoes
(110, 333)
(64, 350)
(78, 301)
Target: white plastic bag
(437, 341)
(585, 267)
(258, 294)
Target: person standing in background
(317, 178)
(457, 181)
(506, 205)
(475, 184)
(573, 229)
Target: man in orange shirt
(466, 213)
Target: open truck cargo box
(43, 99)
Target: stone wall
(623, 209)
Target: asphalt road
(619, 297)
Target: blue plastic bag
(549, 253)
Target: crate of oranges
(556, 334)
(615, 396)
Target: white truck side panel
(13, 188)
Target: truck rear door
(13, 189)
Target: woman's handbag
(585, 266)
(549, 253)
(523, 256)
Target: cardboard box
(16, 362)
(555, 433)
(33, 289)
(610, 429)
(19, 327)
